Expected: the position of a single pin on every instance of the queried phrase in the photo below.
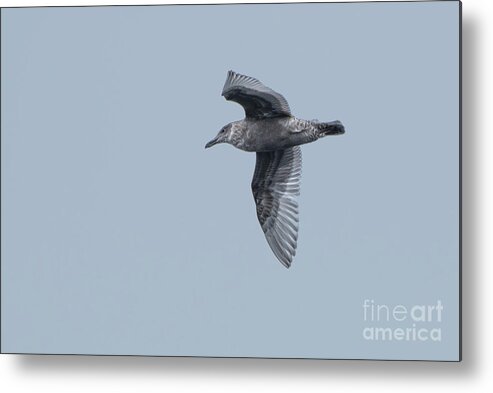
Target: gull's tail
(330, 128)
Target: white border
(94, 374)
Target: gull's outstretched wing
(258, 100)
(275, 186)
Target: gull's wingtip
(285, 260)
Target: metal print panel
(322, 221)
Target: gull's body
(274, 134)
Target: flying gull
(270, 130)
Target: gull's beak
(212, 143)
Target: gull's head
(226, 135)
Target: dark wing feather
(275, 186)
(258, 100)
